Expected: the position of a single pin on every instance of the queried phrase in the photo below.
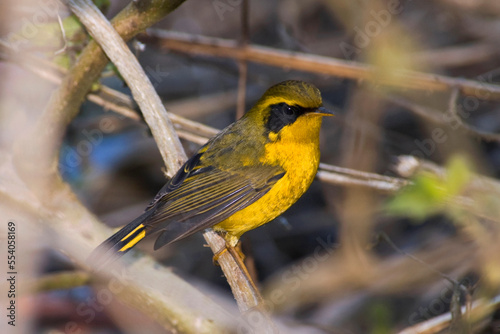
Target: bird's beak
(322, 111)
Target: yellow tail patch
(136, 238)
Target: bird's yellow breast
(296, 150)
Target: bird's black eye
(281, 115)
(287, 110)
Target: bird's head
(291, 108)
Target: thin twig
(63, 32)
(409, 166)
(456, 55)
(350, 177)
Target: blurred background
(356, 254)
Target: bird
(247, 175)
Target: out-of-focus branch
(111, 99)
(408, 166)
(60, 281)
(453, 110)
(456, 56)
(427, 113)
(331, 276)
(42, 143)
(143, 285)
(444, 116)
(480, 308)
(195, 44)
(142, 89)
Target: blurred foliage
(431, 194)
(380, 315)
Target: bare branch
(351, 177)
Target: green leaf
(419, 200)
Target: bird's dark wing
(122, 241)
(189, 167)
(199, 197)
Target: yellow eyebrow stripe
(128, 235)
(132, 242)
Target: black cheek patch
(282, 115)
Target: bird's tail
(119, 243)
